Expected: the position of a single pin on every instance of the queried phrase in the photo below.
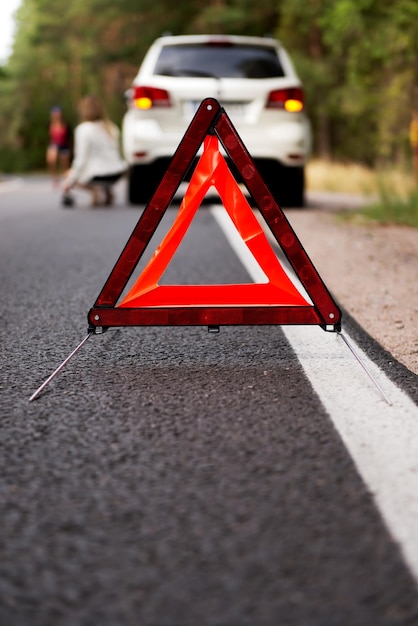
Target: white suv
(253, 78)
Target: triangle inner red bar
(277, 301)
(212, 170)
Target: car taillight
(288, 99)
(148, 97)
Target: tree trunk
(322, 131)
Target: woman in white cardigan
(97, 163)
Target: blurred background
(358, 61)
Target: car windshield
(218, 61)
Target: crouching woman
(97, 164)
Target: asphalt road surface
(172, 477)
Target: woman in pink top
(59, 147)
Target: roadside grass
(393, 209)
(391, 196)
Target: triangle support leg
(363, 365)
(59, 368)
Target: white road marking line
(381, 438)
(237, 244)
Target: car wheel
(142, 182)
(287, 184)
(294, 187)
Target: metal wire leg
(63, 364)
(369, 374)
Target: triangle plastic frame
(212, 119)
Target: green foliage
(357, 59)
(236, 17)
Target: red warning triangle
(276, 301)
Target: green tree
(358, 59)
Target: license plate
(232, 108)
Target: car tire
(287, 184)
(294, 187)
(142, 182)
